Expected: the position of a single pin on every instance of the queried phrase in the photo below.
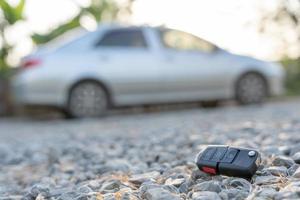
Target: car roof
(125, 26)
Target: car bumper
(27, 90)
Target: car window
(184, 41)
(133, 38)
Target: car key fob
(230, 161)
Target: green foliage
(292, 82)
(12, 14)
(99, 9)
(41, 39)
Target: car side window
(184, 41)
(132, 38)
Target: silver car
(127, 65)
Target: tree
(100, 10)
(283, 23)
(11, 15)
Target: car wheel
(251, 88)
(86, 100)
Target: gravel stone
(296, 174)
(266, 193)
(237, 194)
(149, 155)
(111, 186)
(146, 177)
(276, 170)
(159, 194)
(212, 186)
(293, 169)
(296, 157)
(205, 195)
(265, 180)
(240, 183)
(283, 161)
(176, 182)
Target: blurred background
(263, 29)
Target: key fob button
(208, 153)
(251, 153)
(218, 155)
(230, 155)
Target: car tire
(251, 88)
(87, 99)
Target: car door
(192, 68)
(127, 61)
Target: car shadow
(50, 113)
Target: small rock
(285, 150)
(241, 184)
(293, 186)
(276, 170)
(37, 190)
(159, 194)
(262, 180)
(111, 186)
(271, 150)
(184, 187)
(84, 189)
(296, 157)
(283, 161)
(290, 195)
(205, 195)
(176, 182)
(213, 186)
(266, 193)
(68, 196)
(115, 165)
(234, 193)
(297, 173)
(197, 174)
(108, 196)
(94, 184)
(138, 179)
(295, 149)
(293, 169)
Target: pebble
(146, 177)
(149, 156)
(213, 186)
(283, 161)
(159, 194)
(265, 180)
(296, 174)
(276, 170)
(296, 157)
(205, 195)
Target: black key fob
(230, 161)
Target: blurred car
(128, 65)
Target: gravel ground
(150, 155)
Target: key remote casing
(230, 161)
